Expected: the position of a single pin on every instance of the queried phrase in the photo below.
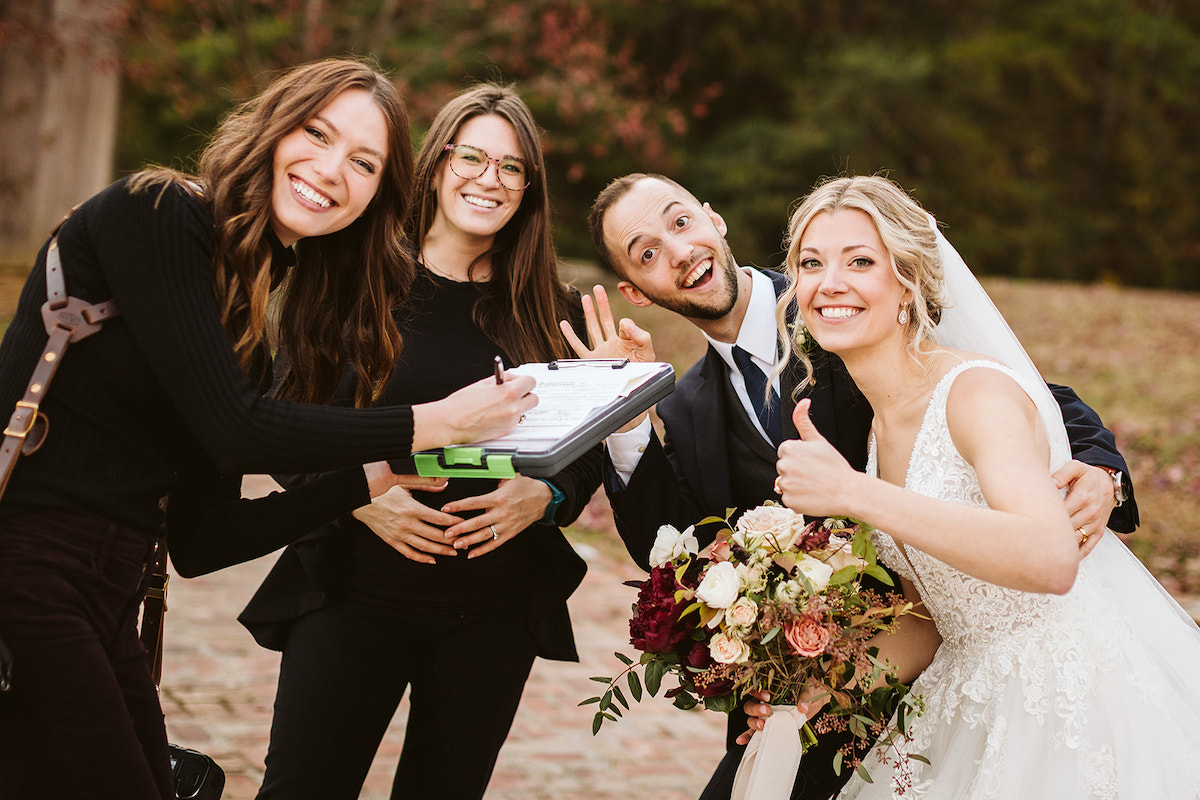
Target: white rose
(720, 585)
(743, 613)
(670, 544)
(817, 571)
(726, 650)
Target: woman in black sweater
(167, 400)
(447, 596)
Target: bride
(1043, 675)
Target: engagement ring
(496, 535)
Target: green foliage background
(1054, 139)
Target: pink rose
(720, 549)
(743, 613)
(807, 636)
(727, 650)
(780, 527)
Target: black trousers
(83, 720)
(345, 669)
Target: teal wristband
(556, 499)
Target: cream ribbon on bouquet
(768, 767)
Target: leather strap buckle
(19, 425)
(159, 592)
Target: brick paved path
(218, 687)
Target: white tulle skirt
(1112, 713)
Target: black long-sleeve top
(443, 351)
(157, 398)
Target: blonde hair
(906, 231)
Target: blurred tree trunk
(59, 84)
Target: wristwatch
(556, 499)
(1118, 479)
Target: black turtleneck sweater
(155, 404)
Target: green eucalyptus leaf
(654, 675)
(635, 687)
(879, 573)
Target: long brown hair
(519, 308)
(336, 307)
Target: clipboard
(537, 457)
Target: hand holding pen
(486, 409)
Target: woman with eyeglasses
(447, 595)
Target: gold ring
(778, 490)
(496, 535)
(1083, 536)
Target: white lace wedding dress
(1092, 694)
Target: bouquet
(779, 605)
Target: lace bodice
(970, 612)
(1049, 646)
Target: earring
(903, 318)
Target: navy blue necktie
(767, 408)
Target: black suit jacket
(687, 478)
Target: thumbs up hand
(813, 475)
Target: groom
(719, 447)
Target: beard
(724, 268)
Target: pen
(499, 371)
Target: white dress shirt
(757, 336)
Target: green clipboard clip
(464, 462)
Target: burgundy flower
(815, 536)
(697, 655)
(655, 626)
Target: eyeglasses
(469, 163)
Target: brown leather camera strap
(154, 609)
(67, 319)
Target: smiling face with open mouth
(476, 209)
(327, 171)
(845, 287)
(671, 250)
